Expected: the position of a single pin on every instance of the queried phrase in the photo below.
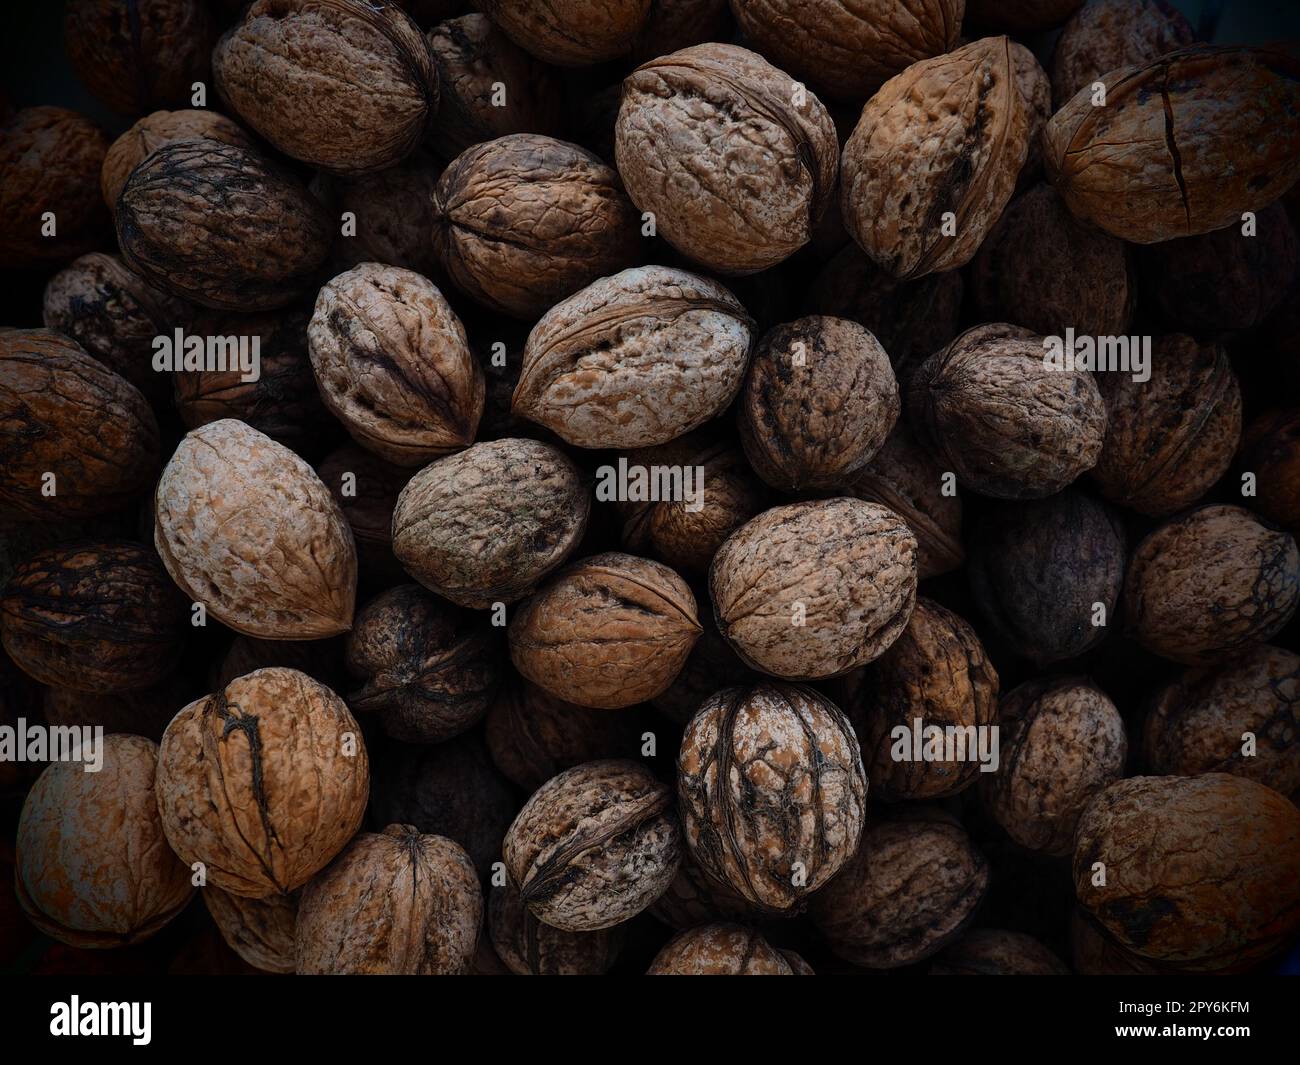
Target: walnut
(812, 590)
(93, 868)
(571, 34)
(426, 669)
(344, 85)
(95, 618)
(393, 364)
(994, 952)
(530, 948)
(720, 950)
(245, 527)
(594, 846)
(1046, 574)
(366, 489)
(771, 792)
(1207, 585)
(910, 890)
(1021, 16)
(947, 137)
(393, 903)
(488, 524)
(221, 226)
(262, 782)
(50, 159)
(1198, 723)
(1096, 954)
(259, 930)
(734, 163)
(695, 898)
(143, 712)
(394, 212)
(1271, 450)
(1164, 158)
(1169, 439)
(1202, 873)
(136, 55)
(635, 359)
(76, 440)
(711, 665)
(1009, 426)
(677, 24)
(474, 57)
(1036, 89)
(935, 672)
(818, 402)
(608, 631)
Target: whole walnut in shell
(1184, 145)
(366, 489)
(720, 950)
(695, 898)
(221, 226)
(263, 782)
(771, 791)
(812, 590)
(818, 402)
(934, 159)
(394, 212)
(151, 133)
(712, 664)
(1036, 88)
(344, 85)
(676, 24)
(530, 948)
(995, 952)
(393, 903)
(259, 930)
(1202, 874)
(635, 359)
(76, 439)
(735, 165)
(1271, 450)
(521, 222)
(93, 867)
(608, 631)
(1170, 438)
(428, 670)
(245, 527)
(574, 33)
(486, 525)
(393, 364)
(1205, 586)
(594, 846)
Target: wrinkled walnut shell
(720, 950)
(571, 33)
(995, 952)
(366, 489)
(1271, 450)
(259, 930)
(530, 948)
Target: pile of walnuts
(646, 531)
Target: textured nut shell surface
(394, 211)
(719, 950)
(259, 930)
(1271, 448)
(151, 133)
(530, 948)
(570, 33)
(996, 952)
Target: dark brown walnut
(263, 782)
(488, 524)
(1093, 953)
(523, 221)
(447, 789)
(532, 736)
(934, 159)
(1036, 88)
(1271, 451)
(1238, 718)
(1061, 742)
(366, 489)
(489, 86)
(94, 617)
(818, 402)
(221, 226)
(685, 528)
(996, 952)
(1007, 424)
(634, 360)
(608, 631)
(396, 903)
(910, 890)
(1202, 874)
(145, 712)
(905, 478)
(1043, 269)
(151, 133)
(426, 669)
(344, 85)
(712, 664)
(50, 159)
(530, 948)
(259, 930)
(1046, 574)
(1105, 35)
(594, 846)
(771, 792)
(720, 950)
(93, 868)
(695, 898)
(393, 364)
(1021, 16)
(935, 672)
(812, 590)
(1164, 157)
(393, 211)
(137, 55)
(1169, 439)
(114, 314)
(735, 163)
(570, 33)
(321, 660)
(677, 24)
(1206, 586)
